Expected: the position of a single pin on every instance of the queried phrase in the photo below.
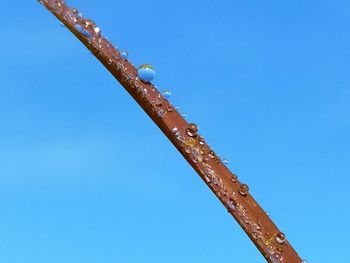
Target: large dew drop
(146, 72)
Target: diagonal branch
(233, 194)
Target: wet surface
(185, 136)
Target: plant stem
(233, 194)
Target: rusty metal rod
(233, 194)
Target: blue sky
(85, 176)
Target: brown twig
(233, 194)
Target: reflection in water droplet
(243, 189)
(166, 94)
(192, 130)
(124, 55)
(146, 72)
(225, 161)
(280, 238)
(184, 115)
(82, 31)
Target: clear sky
(86, 177)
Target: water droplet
(231, 203)
(82, 31)
(56, 5)
(97, 31)
(234, 178)
(190, 142)
(304, 261)
(124, 55)
(184, 115)
(211, 155)
(197, 154)
(201, 141)
(158, 103)
(166, 94)
(255, 235)
(215, 180)
(74, 11)
(175, 130)
(192, 130)
(243, 189)
(276, 258)
(280, 238)
(89, 23)
(146, 72)
(160, 113)
(225, 161)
